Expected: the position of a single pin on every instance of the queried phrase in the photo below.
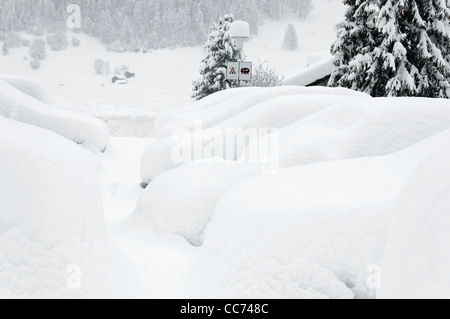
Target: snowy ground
(353, 170)
(159, 261)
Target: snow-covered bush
(38, 50)
(35, 64)
(101, 67)
(265, 76)
(290, 38)
(219, 49)
(76, 42)
(57, 41)
(25, 43)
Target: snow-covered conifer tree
(403, 51)
(290, 38)
(219, 50)
(354, 47)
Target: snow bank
(29, 86)
(306, 232)
(182, 201)
(358, 128)
(213, 113)
(319, 69)
(212, 100)
(416, 263)
(81, 129)
(254, 109)
(52, 231)
(121, 122)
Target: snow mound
(251, 109)
(29, 86)
(305, 232)
(320, 67)
(416, 263)
(81, 129)
(359, 128)
(182, 201)
(51, 224)
(212, 100)
(214, 110)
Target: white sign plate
(245, 71)
(233, 71)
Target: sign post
(239, 71)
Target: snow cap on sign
(240, 29)
(239, 32)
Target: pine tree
(290, 38)
(154, 23)
(38, 50)
(354, 47)
(8, 16)
(404, 52)
(219, 50)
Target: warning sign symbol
(239, 71)
(233, 71)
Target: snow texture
(417, 257)
(182, 201)
(312, 73)
(248, 108)
(306, 232)
(359, 128)
(51, 221)
(29, 86)
(81, 129)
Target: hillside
(164, 77)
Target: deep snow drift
(311, 231)
(29, 86)
(306, 232)
(183, 200)
(52, 234)
(248, 108)
(23, 107)
(417, 257)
